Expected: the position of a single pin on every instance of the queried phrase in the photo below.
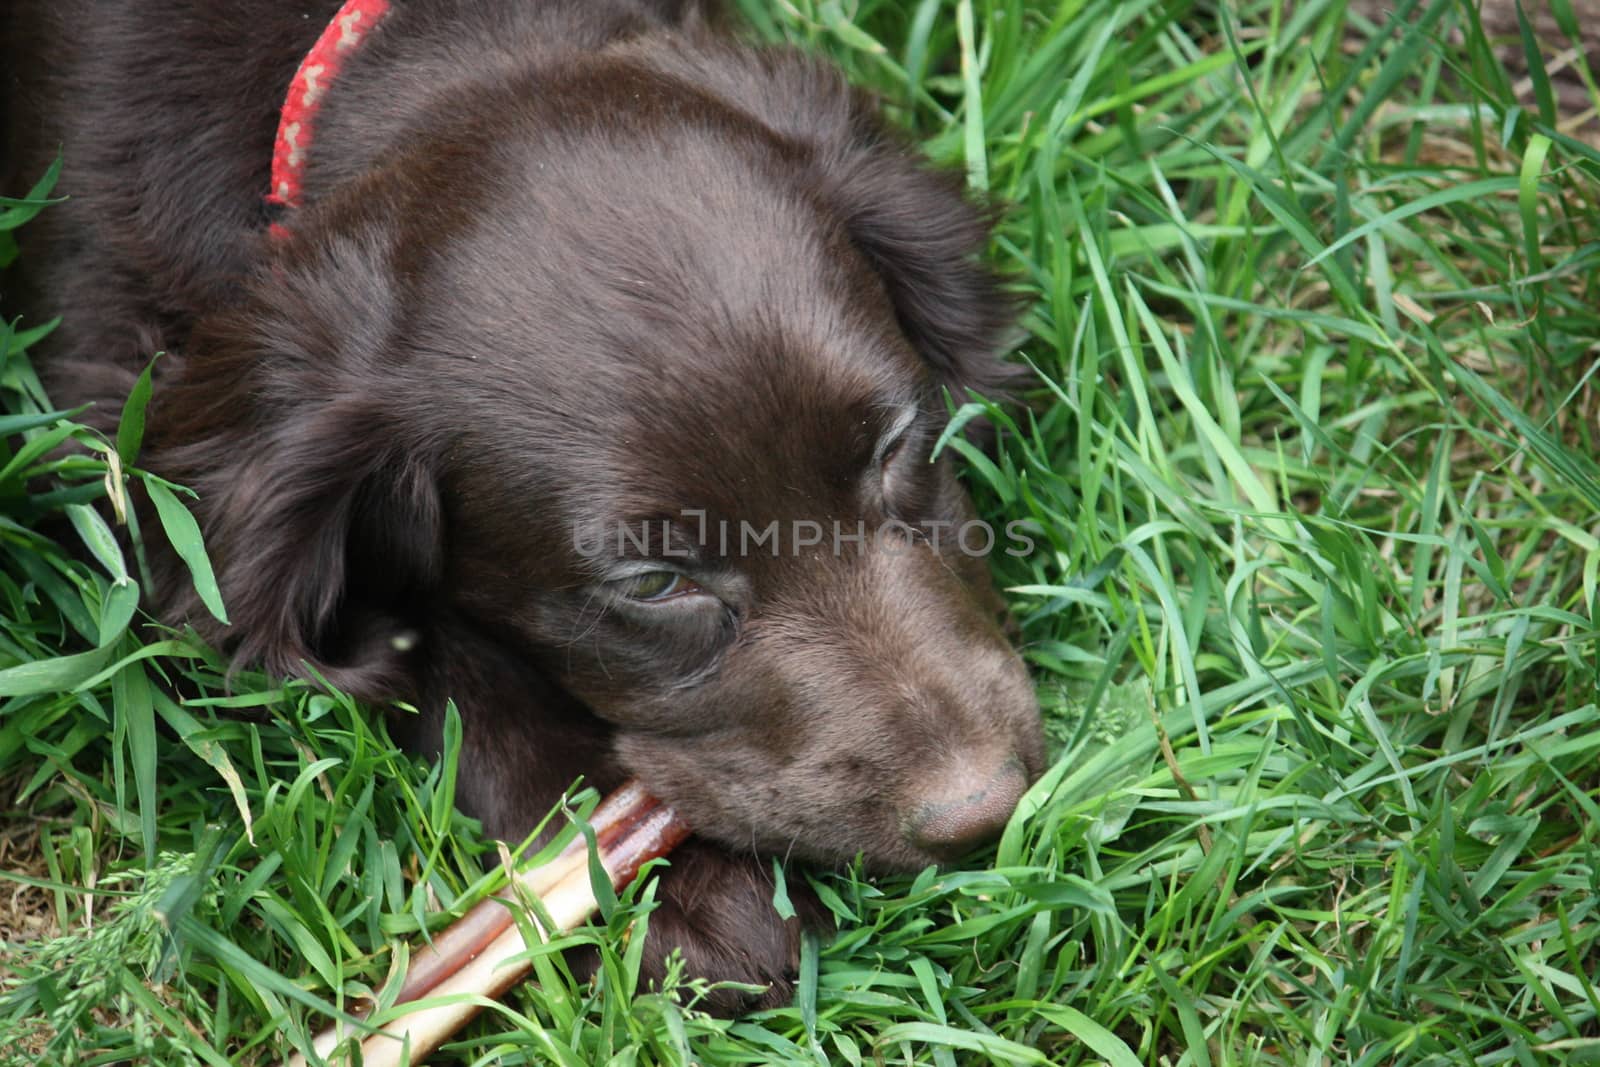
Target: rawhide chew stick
(473, 954)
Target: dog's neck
(344, 34)
(424, 57)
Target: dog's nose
(965, 809)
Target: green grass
(1310, 461)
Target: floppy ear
(322, 521)
(926, 240)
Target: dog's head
(641, 382)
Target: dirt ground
(1499, 17)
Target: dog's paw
(716, 907)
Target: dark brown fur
(563, 265)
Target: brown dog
(593, 387)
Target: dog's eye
(891, 453)
(653, 586)
(893, 445)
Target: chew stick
(473, 954)
(457, 943)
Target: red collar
(343, 35)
